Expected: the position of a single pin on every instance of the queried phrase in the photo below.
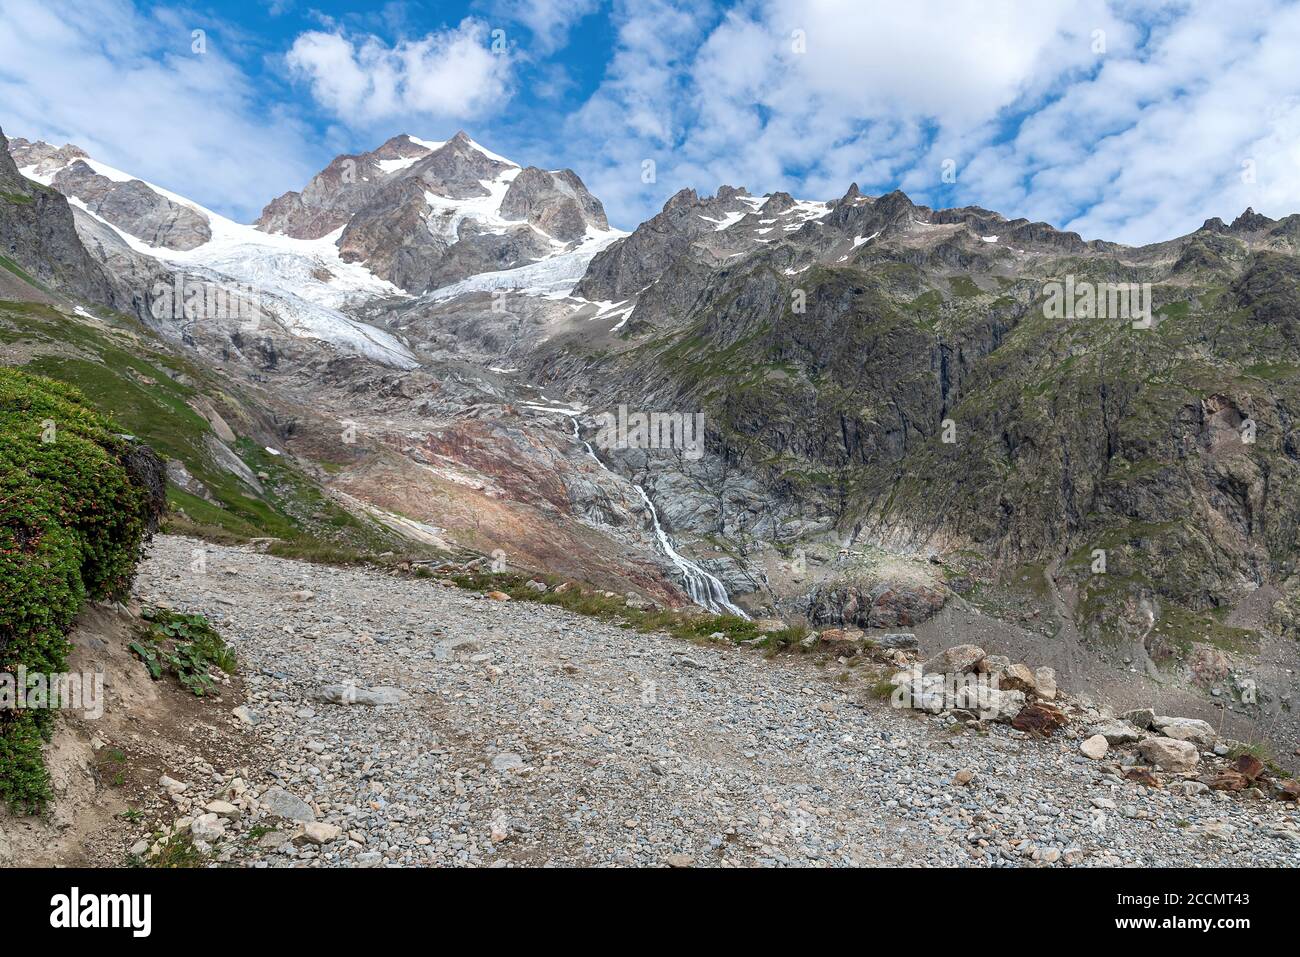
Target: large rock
(1199, 732)
(1170, 754)
(958, 659)
(993, 665)
(1018, 677)
(1143, 719)
(1045, 683)
(871, 603)
(1117, 732)
(841, 641)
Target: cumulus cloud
(130, 89)
(460, 73)
(1127, 119)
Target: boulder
(898, 641)
(1018, 677)
(318, 832)
(207, 827)
(1117, 732)
(1039, 718)
(956, 660)
(993, 665)
(1195, 730)
(1045, 682)
(841, 641)
(1170, 754)
(350, 694)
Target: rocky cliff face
(38, 236)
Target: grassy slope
(127, 373)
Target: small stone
(498, 596)
(207, 827)
(1095, 747)
(173, 786)
(222, 809)
(679, 860)
(507, 761)
(318, 832)
(537, 586)
(246, 715)
(963, 777)
(1045, 683)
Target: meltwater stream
(704, 589)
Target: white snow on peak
(429, 145)
(989, 239)
(432, 145)
(490, 155)
(285, 272)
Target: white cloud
(1137, 143)
(454, 74)
(129, 89)
(549, 21)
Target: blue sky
(1131, 120)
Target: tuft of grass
(593, 603)
(177, 851)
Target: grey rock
(281, 803)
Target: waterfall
(704, 589)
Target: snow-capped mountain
(411, 217)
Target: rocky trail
(400, 721)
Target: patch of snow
(726, 222)
(393, 165)
(429, 145)
(552, 278)
(989, 239)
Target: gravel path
(530, 735)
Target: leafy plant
(185, 645)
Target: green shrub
(77, 502)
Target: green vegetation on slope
(73, 516)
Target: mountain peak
(1250, 221)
